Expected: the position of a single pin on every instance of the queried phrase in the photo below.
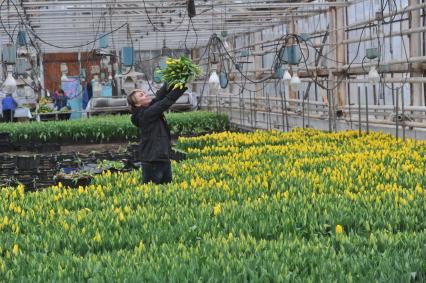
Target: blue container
(107, 90)
(9, 53)
(223, 80)
(245, 53)
(22, 38)
(127, 56)
(291, 55)
(283, 54)
(157, 75)
(294, 56)
(68, 170)
(21, 66)
(305, 36)
(163, 62)
(279, 72)
(83, 73)
(384, 68)
(103, 41)
(372, 53)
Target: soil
(86, 148)
(82, 148)
(93, 147)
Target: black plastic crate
(5, 146)
(30, 162)
(5, 137)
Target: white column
(415, 51)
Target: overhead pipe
(200, 5)
(364, 22)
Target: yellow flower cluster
(263, 189)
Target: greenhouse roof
(74, 25)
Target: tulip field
(267, 206)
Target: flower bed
(110, 128)
(263, 206)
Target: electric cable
(155, 27)
(29, 28)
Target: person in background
(87, 94)
(155, 145)
(89, 89)
(61, 102)
(2, 95)
(9, 106)
(55, 94)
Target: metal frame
(66, 23)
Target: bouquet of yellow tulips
(179, 72)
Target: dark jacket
(61, 102)
(155, 144)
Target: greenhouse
(212, 141)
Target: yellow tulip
(97, 237)
(217, 209)
(339, 229)
(15, 249)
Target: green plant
(74, 175)
(64, 110)
(122, 149)
(107, 128)
(107, 164)
(44, 109)
(179, 72)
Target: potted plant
(74, 178)
(110, 165)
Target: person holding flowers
(148, 115)
(155, 143)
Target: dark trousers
(158, 172)
(64, 116)
(8, 115)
